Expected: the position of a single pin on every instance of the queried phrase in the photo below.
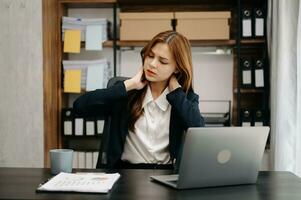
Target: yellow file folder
(72, 41)
(72, 80)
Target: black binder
(259, 73)
(259, 23)
(246, 23)
(259, 116)
(246, 73)
(67, 121)
(246, 117)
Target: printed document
(81, 182)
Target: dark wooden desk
(21, 183)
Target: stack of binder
(92, 31)
(253, 69)
(94, 74)
(253, 23)
(252, 72)
(253, 117)
(77, 126)
(71, 23)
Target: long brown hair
(181, 51)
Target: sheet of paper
(72, 79)
(82, 23)
(94, 77)
(86, 182)
(94, 37)
(72, 41)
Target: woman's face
(159, 64)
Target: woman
(151, 110)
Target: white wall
(213, 79)
(21, 84)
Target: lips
(150, 73)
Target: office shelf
(83, 136)
(245, 91)
(194, 43)
(252, 41)
(88, 3)
(54, 97)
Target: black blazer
(113, 101)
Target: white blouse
(149, 143)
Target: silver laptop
(218, 157)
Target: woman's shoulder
(116, 80)
(191, 94)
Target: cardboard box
(143, 26)
(204, 25)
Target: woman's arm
(99, 102)
(187, 108)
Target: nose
(153, 63)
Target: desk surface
(21, 183)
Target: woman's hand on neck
(173, 83)
(135, 83)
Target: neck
(157, 88)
